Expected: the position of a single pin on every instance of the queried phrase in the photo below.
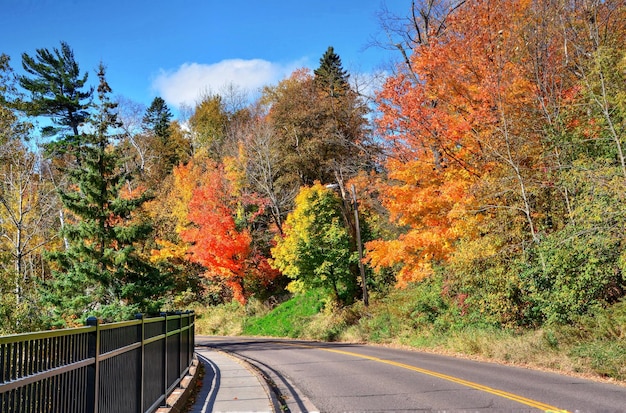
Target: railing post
(192, 347)
(180, 342)
(141, 366)
(165, 360)
(191, 342)
(93, 370)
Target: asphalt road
(336, 377)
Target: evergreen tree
(157, 118)
(102, 272)
(57, 89)
(157, 125)
(331, 76)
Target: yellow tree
(209, 124)
(315, 249)
(27, 216)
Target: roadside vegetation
(475, 192)
(419, 318)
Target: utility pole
(359, 246)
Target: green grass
(288, 319)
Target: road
(337, 377)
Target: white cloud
(191, 80)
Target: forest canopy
(491, 160)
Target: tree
(330, 75)
(426, 20)
(27, 221)
(153, 147)
(166, 142)
(26, 208)
(598, 32)
(157, 123)
(504, 129)
(319, 134)
(315, 249)
(103, 270)
(157, 118)
(220, 237)
(581, 83)
(260, 160)
(8, 118)
(57, 88)
(169, 213)
(27, 202)
(208, 125)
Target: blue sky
(181, 49)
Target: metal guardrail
(126, 367)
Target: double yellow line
(520, 399)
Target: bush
(580, 273)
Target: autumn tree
(27, 206)
(487, 120)
(102, 271)
(315, 249)
(556, 149)
(322, 132)
(169, 212)
(208, 124)
(220, 237)
(582, 102)
(430, 159)
(448, 116)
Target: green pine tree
(57, 89)
(102, 272)
(157, 118)
(157, 122)
(331, 76)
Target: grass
(288, 319)
(223, 320)
(594, 345)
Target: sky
(183, 49)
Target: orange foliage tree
(219, 236)
(459, 122)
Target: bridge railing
(126, 367)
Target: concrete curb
(177, 401)
(285, 396)
(263, 379)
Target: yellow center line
(520, 399)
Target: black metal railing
(131, 366)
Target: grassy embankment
(593, 345)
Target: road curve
(338, 377)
